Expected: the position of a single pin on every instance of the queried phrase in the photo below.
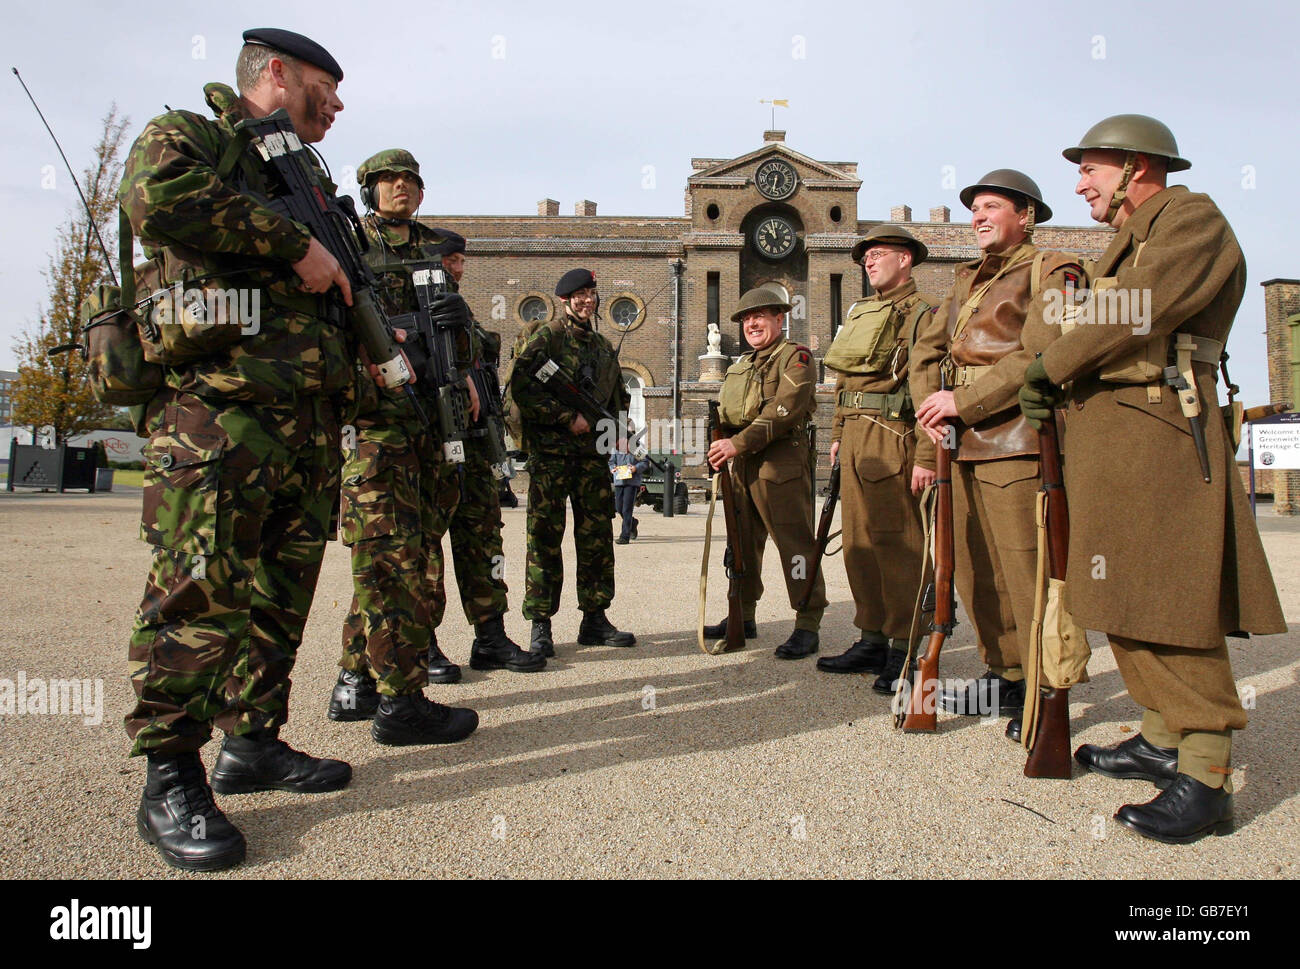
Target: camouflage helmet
(1131, 132)
(389, 160)
(760, 298)
(1008, 181)
(895, 235)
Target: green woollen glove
(1039, 397)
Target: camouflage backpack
(511, 417)
(120, 373)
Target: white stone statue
(715, 339)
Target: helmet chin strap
(1029, 220)
(1121, 190)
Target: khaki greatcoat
(1182, 560)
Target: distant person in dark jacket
(627, 469)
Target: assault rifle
(733, 560)
(433, 353)
(923, 681)
(299, 195)
(577, 395)
(1050, 754)
(491, 424)
(824, 535)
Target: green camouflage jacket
(585, 354)
(193, 224)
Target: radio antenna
(108, 262)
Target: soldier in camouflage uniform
(398, 497)
(565, 464)
(476, 524)
(242, 472)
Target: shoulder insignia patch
(803, 357)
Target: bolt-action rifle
(824, 535)
(921, 683)
(1050, 754)
(733, 560)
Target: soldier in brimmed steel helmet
(1171, 527)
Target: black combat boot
(414, 719)
(596, 630)
(441, 669)
(989, 695)
(494, 650)
(541, 642)
(261, 761)
(802, 642)
(178, 816)
(864, 656)
(1134, 759)
(1014, 729)
(354, 697)
(887, 682)
(1182, 813)
(719, 630)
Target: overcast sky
(507, 103)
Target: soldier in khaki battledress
(976, 338)
(766, 401)
(874, 439)
(1165, 557)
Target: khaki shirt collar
(898, 292)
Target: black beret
(295, 45)
(451, 241)
(574, 280)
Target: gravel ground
(658, 761)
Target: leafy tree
(54, 390)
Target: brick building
(770, 215)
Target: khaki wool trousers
(996, 554)
(883, 535)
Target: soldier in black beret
(567, 462)
(295, 45)
(574, 280)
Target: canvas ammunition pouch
(741, 398)
(867, 340)
(120, 372)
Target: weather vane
(774, 102)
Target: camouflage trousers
(238, 503)
(582, 480)
(398, 498)
(476, 541)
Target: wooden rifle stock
(923, 703)
(1050, 755)
(823, 534)
(733, 558)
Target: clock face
(776, 179)
(774, 237)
